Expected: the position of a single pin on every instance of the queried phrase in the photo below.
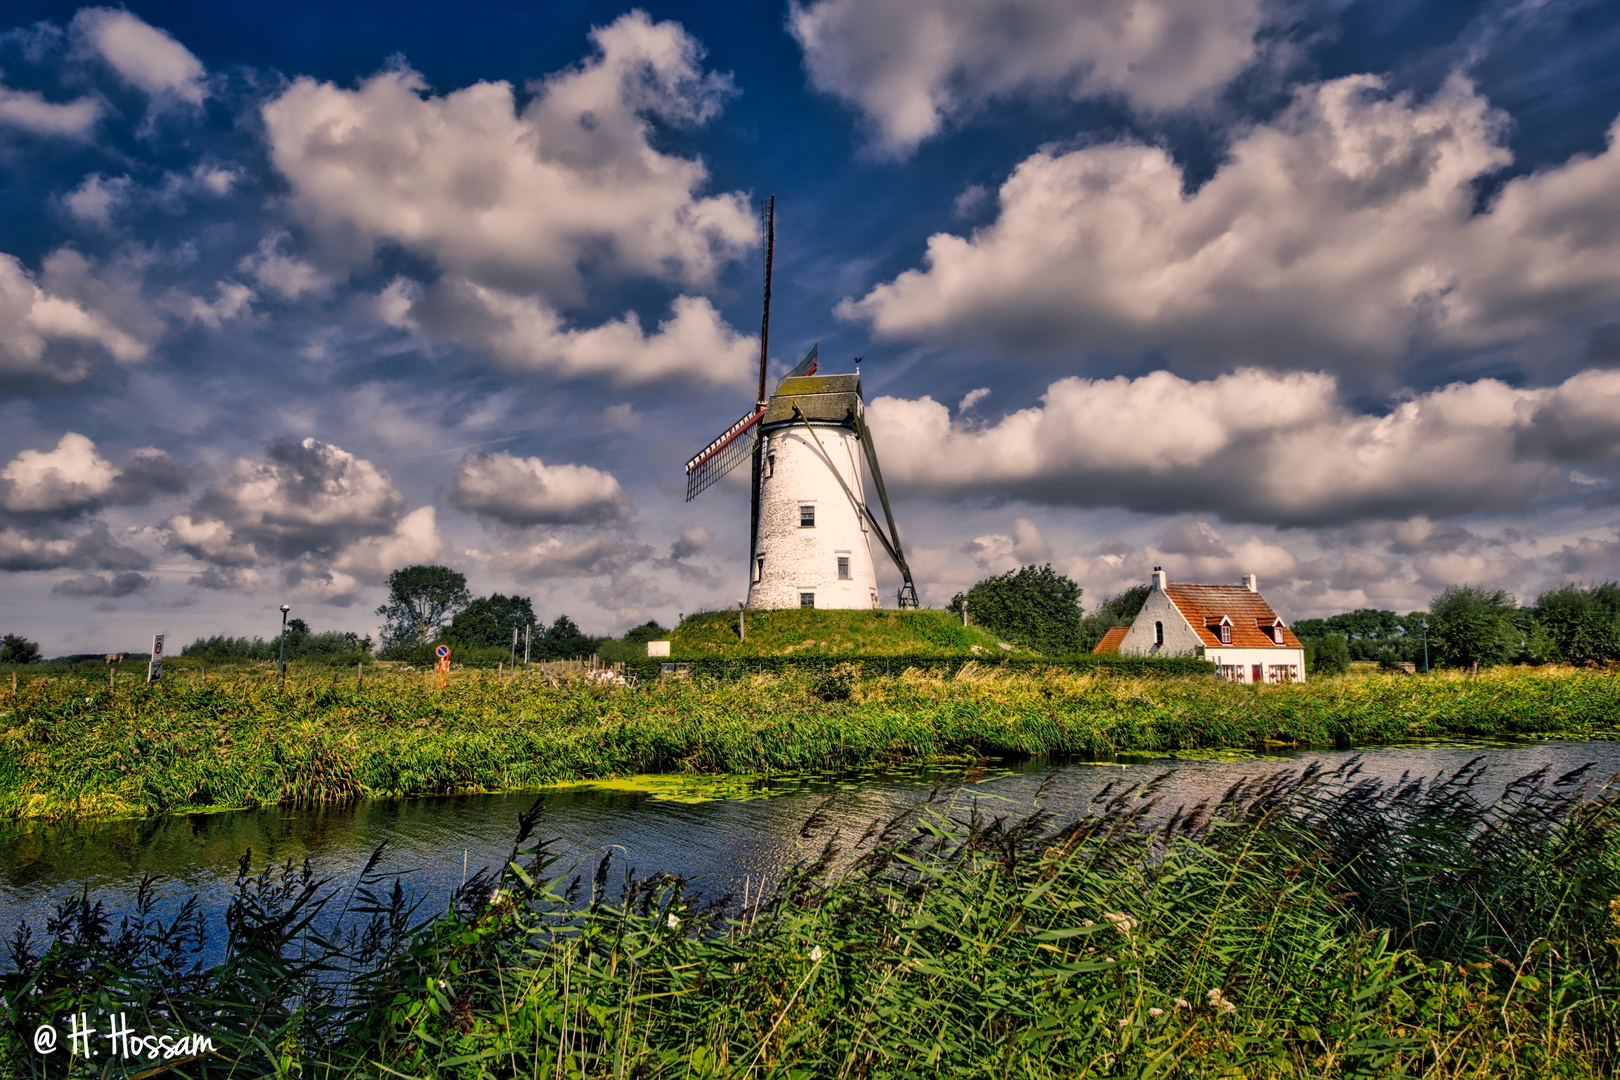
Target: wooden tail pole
(764, 359)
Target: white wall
(1245, 659)
(1180, 639)
(800, 560)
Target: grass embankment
(814, 632)
(72, 748)
(1307, 929)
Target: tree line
(1465, 626)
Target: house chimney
(1251, 583)
(1160, 578)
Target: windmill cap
(824, 398)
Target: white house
(815, 546)
(1231, 626)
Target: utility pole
(281, 662)
(1425, 623)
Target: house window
(759, 568)
(807, 517)
(1226, 633)
(1158, 633)
(843, 568)
(1276, 634)
(807, 599)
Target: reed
(77, 748)
(1311, 925)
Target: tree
(1470, 627)
(1582, 623)
(564, 641)
(490, 620)
(420, 599)
(1332, 655)
(1120, 610)
(647, 631)
(1033, 606)
(16, 649)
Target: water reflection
(718, 845)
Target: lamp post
(281, 663)
(742, 621)
(1425, 624)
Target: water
(725, 844)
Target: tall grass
(75, 748)
(1308, 925)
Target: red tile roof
(1109, 645)
(1205, 605)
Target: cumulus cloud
(49, 548)
(525, 334)
(95, 199)
(368, 561)
(307, 498)
(1345, 232)
(1257, 446)
(54, 326)
(912, 66)
(96, 585)
(553, 556)
(998, 553)
(144, 56)
(519, 198)
(26, 110)
(284, 275)
(73, 479)
(527, 491)
(694, 539)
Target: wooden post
(359, 677)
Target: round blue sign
(442, 651)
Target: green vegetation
(71, 747)
(302, 643)
(490, 621)
(811, 632)
(1583, 624)
(1309, 926)
(1035, 607)
(420, 600)
(16, 649)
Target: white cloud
(527, 491)
(972, 398)
(369, 560)
(1343, 233)
(145, 57)
(49, 326)
(94, 200)
(70, 477)
(284, 275)
(997, 553)
(232, 301)
(519, 199)
(308, 499)
(1258, 446)
(27, 110)
(552, 556)
(912, 66)
(526, 335)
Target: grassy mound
(811, 632)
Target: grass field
(832, 633)
(69, 746)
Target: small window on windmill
(843, 568)
(807, 517)
(770, 464)
(807, 599)
(759, 568)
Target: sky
(294, 295)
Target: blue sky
(294, 294)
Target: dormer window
(1226, 633)
(1277, 633)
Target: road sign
(442, 651)
(154, 669)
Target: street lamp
(1425, 625)
(282, 662)
(742, 621)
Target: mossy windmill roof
(827, 398)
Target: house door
(1259, 674)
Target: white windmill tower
(811, 532)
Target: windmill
(810, 528)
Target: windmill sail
(807, 366)
(731, 449)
